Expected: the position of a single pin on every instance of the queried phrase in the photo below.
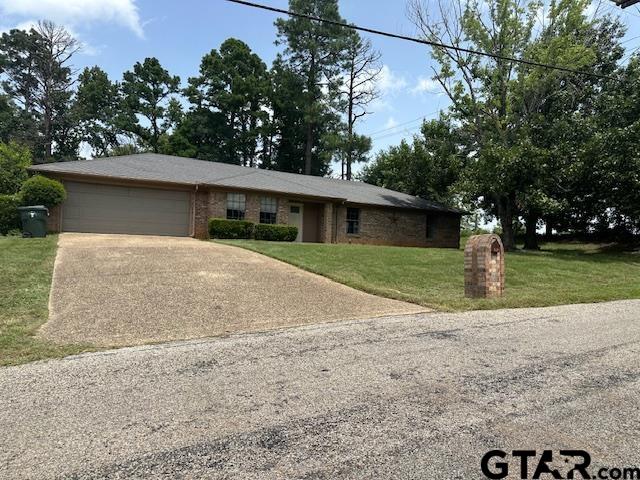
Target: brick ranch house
(164, 195)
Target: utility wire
(402, 124)
(419, 40)
(404, 131)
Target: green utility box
(34, 220)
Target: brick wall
(217, 204)
(386, 226)
(378, 226)
(201, 214)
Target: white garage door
(109, 209)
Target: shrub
(234, 229)
(9, 216)
(39, 190)
(14, 161)
(275, 233)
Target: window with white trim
(235, 206)
(353, 221)
(268, 209)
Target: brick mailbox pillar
(484, 267)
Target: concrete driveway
(114, 290)
(411, 397)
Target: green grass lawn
(433, 277)
(26, 266)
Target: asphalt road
(421, 396)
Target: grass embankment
(560, 273)
(26, 267)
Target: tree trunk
(311, 85)
(506, 215)
(350, 122)
(308, 150)
(508, 234)
(531, 234)
(48, 143)
(155, 133)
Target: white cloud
(426, 85)
(389, 82)
(85, 47)
(77, 12)
(391, 123)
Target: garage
(96, 208)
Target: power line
(419, 40)
(629, 40)
(613, 9)
(401, 124)
(630, 54)
(404, 131)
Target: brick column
(484, 267)
(282, 216)
(327, 226)
(252, 207)
(201, 215)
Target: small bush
(233, 229)
(275, 233)
(39, 190)
(9, 215)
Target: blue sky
(117, 33)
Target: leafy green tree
(287, 133)
(479, 89)
(233, 82)
(552, 109)
(611, 160)
(351, 148)
(316, 52)
(98, 109)
(10, 124)
(147, 92)
(18, 53)
(428, 167)
(14, 161)
(502, 105)
(201, 133)
(38, 78)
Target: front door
(295, 218)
